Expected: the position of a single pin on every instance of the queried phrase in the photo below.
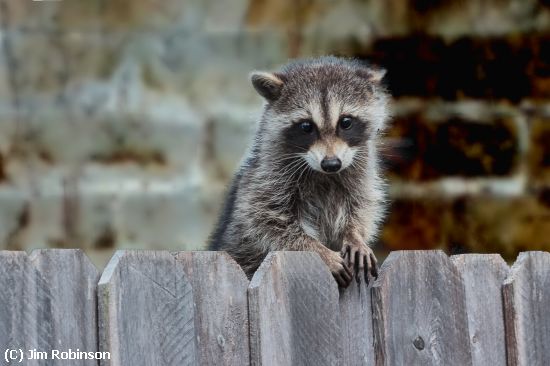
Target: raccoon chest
(325, 221)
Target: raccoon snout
(331, 165)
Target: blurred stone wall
(121, 121)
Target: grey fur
(279, 201)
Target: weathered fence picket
(198, 308)
(146, 314)
(419, 314)
(221, 307)
(48, 303)
(527, 308)
(483, 275)
(356, 324)
(293, 308)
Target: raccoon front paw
(361, 259)
(341, 272)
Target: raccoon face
(327, 149)
(324, 111)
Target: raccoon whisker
(361, 152)
(288, 168)
(298, 168)
(295, 160)
(362, 157)
(307, 169)
(359, 163)
(287, 173)
(286, 157)
(283, 168)
(289, 157)
(288, 177)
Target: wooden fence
(198, 308)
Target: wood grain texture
(356, 325)
(526, 294)
(483, 275)
(146, 314)
(221, 307)
(294, 312)
(48, 302)
(419, 315)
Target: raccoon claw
(343, 278)
(341, 272)
(373, 266)
(361, 259)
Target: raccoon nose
(331, 165)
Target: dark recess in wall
(505, 68)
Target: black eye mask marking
(352, 130)
(300, 135)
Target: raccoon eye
(306, 126)
(346, 122)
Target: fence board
(221, 307)
(293, 312)
(419, 316)
(146, 312)
(48, 302)
(483, 275)
(356, 325)
(527, 307)
(194, 308)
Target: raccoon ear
(267, 84)
(372, 73)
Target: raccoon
(311, 179)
